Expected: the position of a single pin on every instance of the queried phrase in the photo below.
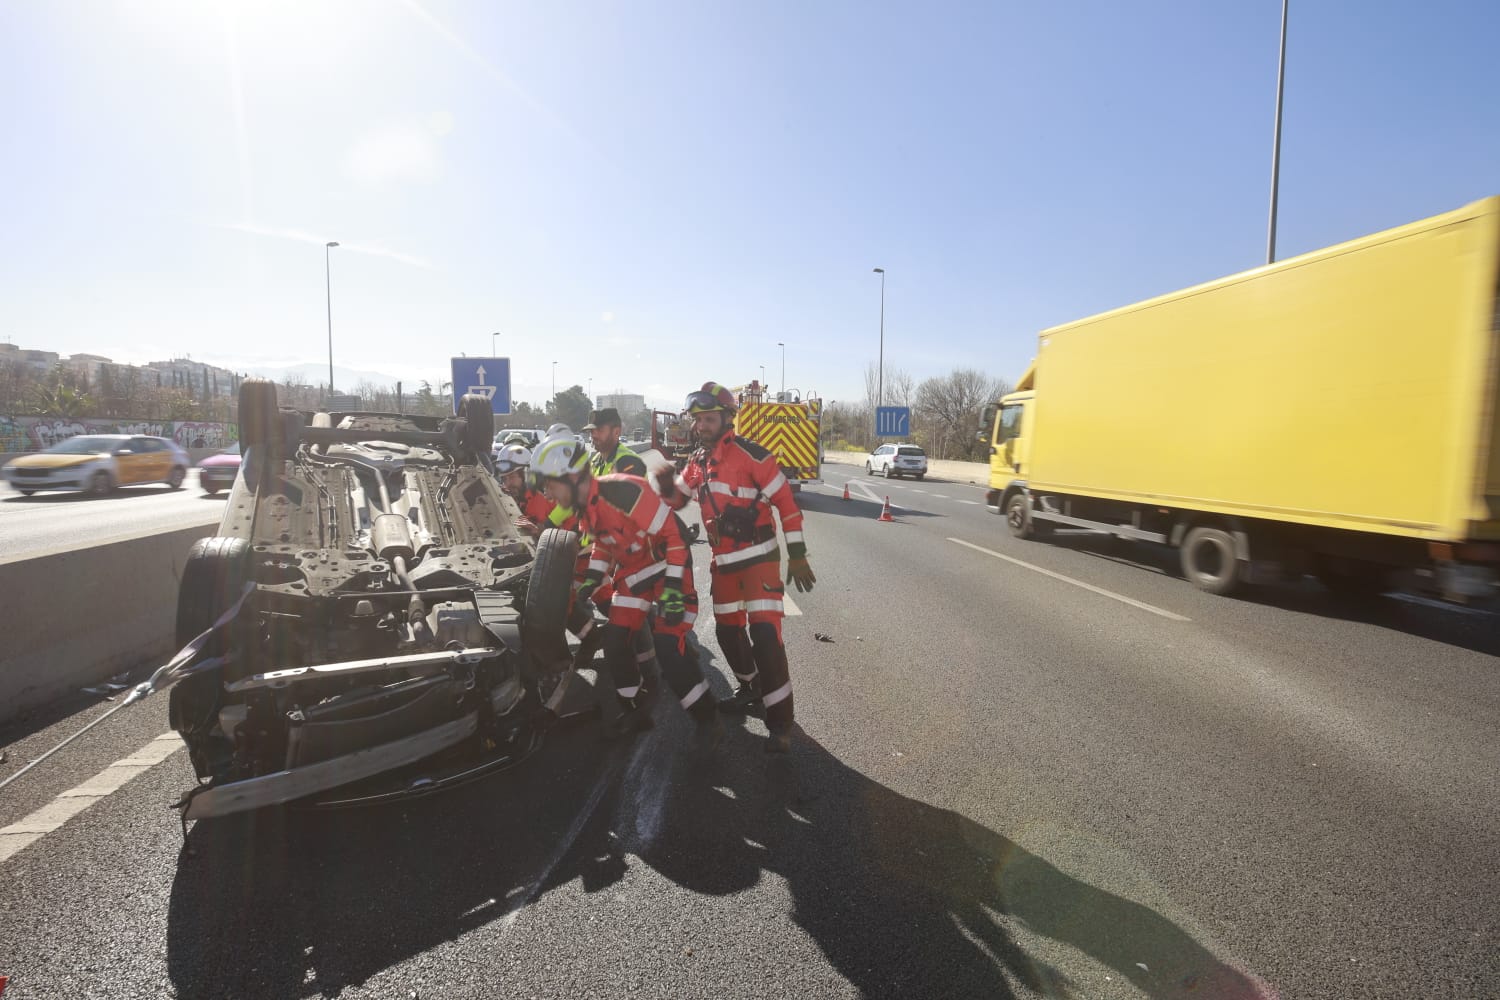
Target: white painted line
(789, 606)
(939, 496)
(1077, 583)
(972, 503)
(75, 800)
(915, 490)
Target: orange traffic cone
(846, 490)
(885, 512)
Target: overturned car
(368, 622)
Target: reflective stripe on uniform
(741, 493)
(748, 678)
(629, 692)
(793, 536)
(660, 519)
(774, 486)
(675, 571)
(779, 695)
(740, 555)
(624, 601)
(698, 691)
(645, 657)
(728, 609)
(763, 606)
(634, 580)
(598, 566)
(586, 628)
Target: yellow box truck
(1333, 413)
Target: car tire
(211, 490)
(868, 470)
(1208, 560)
(921, 476)
(549, 597)
(260, 416)
(100, 483)
(176, 476)
(212, 579)
(479, 424)
(26, 493)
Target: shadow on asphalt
(904, 899)
(862, 507)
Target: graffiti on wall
(40, 433)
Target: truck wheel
(1018, 518)
(1208, 560)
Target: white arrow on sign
(480, 372)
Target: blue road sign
(892, 421)
(489, 377)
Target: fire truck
(786, 427)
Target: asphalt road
(47, 523)
(1026, 770)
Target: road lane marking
(790, 606)
(27, 831)
(939, 496)
(972, 503)
(1077, 583)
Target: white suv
(897, 460)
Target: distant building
(626, 402)
(197, 377)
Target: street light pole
(880, 370)
(328, 288)
(783, 366)
(492, 345)
(554, 381)
(1276, 143)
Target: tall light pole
(328, 287)
(880, 370)
(554, 380)
(783, 366)
(762, 378)
(492, 345)
(1276, 143)
(591, 392)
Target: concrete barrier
(76, 618)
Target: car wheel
(176, 476)
(867, 469)
(1208, 560)
(211, 490)
(549, 595)
(100, 484)
(479, 421)
(27, 493)
(260, 417)
(920, 476)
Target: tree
(949, 407)
(571, 407)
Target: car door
(129, 461)
(160, 455)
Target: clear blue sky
(654, 194)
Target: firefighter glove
(671, 606)
(799, 572)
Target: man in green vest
(610, 456)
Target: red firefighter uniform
(736, 483)
(639, 542)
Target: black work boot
(709, 732)
(744, 701)
(634, 717)
(780, 741)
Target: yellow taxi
(97, 463)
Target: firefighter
(736, 483)
(610, 455)
(637, 541)
(538, 511)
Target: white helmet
(512, 457)
(558, 456)
(559, 430)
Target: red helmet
(711, 397)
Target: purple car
(217, 472)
